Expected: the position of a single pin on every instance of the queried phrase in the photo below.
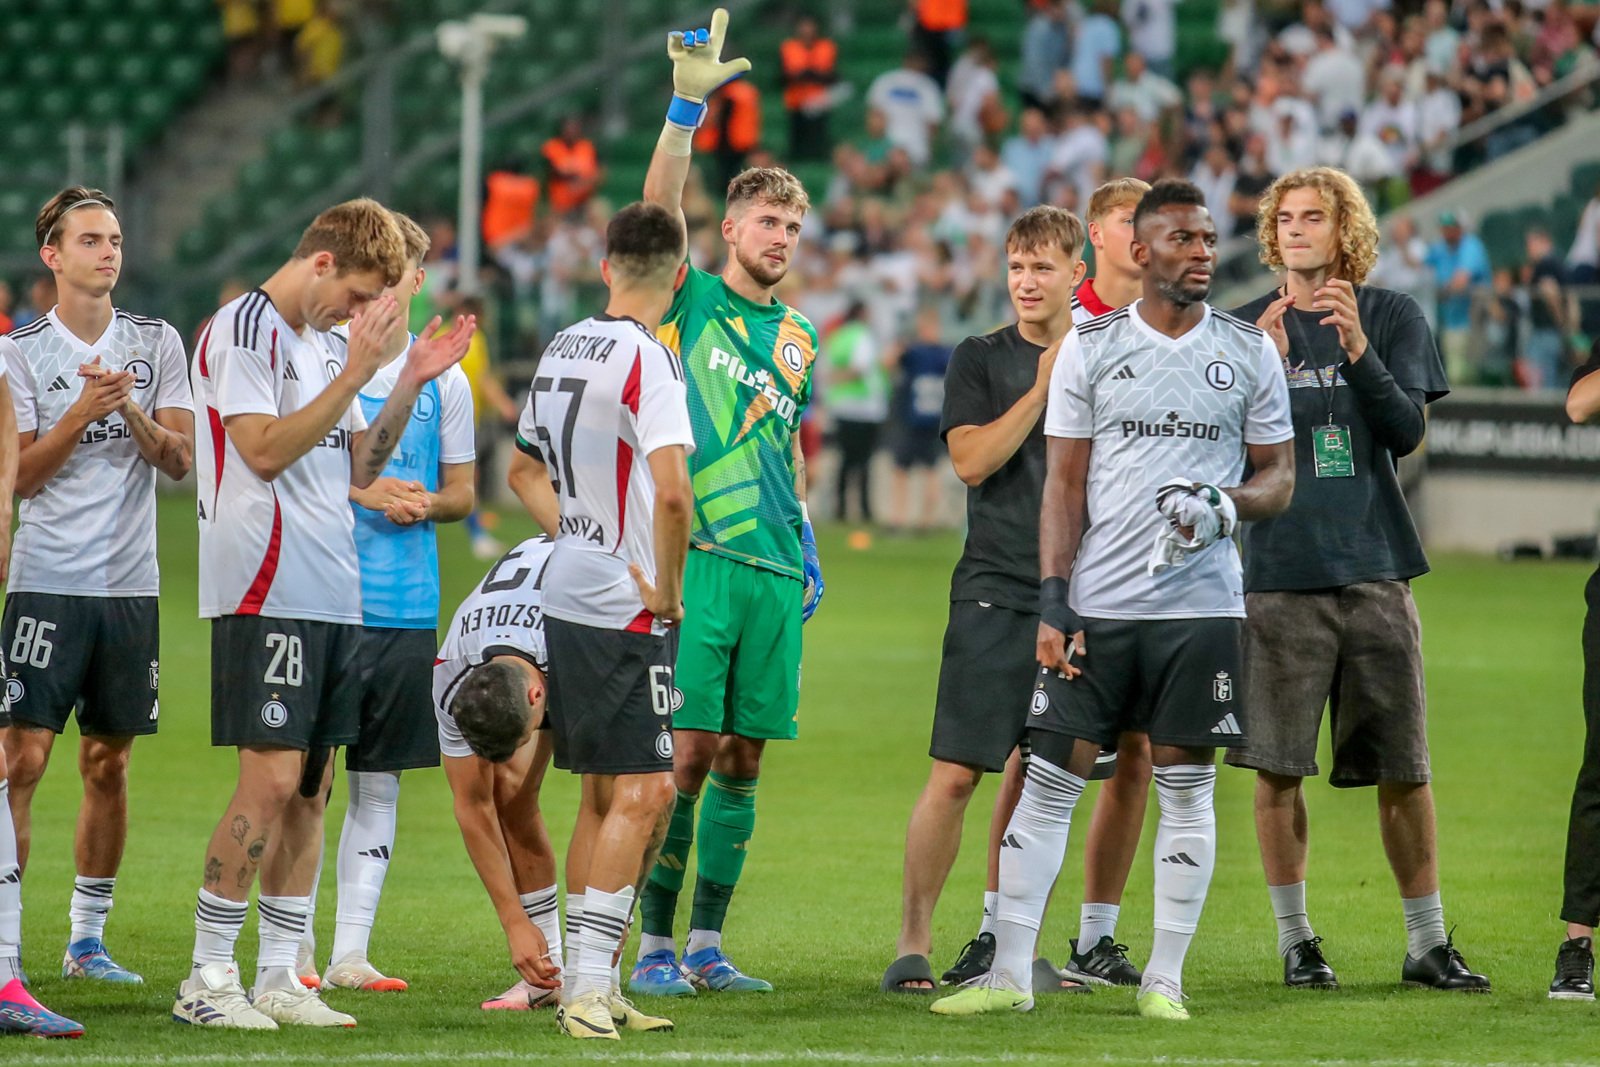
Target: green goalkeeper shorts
(738, 650)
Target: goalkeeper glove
(698, 70)
(1205, 509)
(812, 569)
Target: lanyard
(1327, 389)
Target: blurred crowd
(305, 38)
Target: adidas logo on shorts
(1229, 725)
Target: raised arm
(429, 356)
(698, 71)
(976, 452)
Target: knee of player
(104, 767)
(27, 755)
(954, 781)
(644, 797)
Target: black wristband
(1054, 611)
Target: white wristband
(675, 140)
(805, 516)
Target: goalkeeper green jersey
(749, 371)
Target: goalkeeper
(753, 576)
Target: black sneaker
(1305, 967)
(1442, 967)
(977, 956)
(1574, 978)
(1105, 964)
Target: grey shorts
(1355, 650)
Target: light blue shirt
(1099, 38)
(1028, 161)
(1455, 309)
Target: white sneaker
(523, 997)
(298, 1007)
(354, 972)
(212, 996)
(305, 966)
(486, 547)
(588, 1016)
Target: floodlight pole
(470, 44)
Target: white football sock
(1094, 922)
(574, 943)
(604, 924)
(649, 943)
(1424, 924)
(10, 889)
(91, 903)
(365, 844)
(1289, 908)
(217, 922)
(991, 901)
(541, 908)
(1185, 855)
(282, 924)
(308, 941)
(1031, 851)
(699, 939)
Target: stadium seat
(1586, 180)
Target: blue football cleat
(88, 959)
(658, 975)
(710, 969)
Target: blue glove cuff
(807, 535)
(686, 113)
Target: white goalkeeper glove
(698, 70)
(1205, 509)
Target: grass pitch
(819, 905)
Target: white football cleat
(523, 997)
(298, 1007)
(588, 1016)
(212, 996)
(353, 972)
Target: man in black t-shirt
(994, 400)
(1544, 350)
(1327, 583)
(1580, 901)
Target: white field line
(725, 1057)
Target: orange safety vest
(816, 59)
(508, 206)
(938, 15)
(573, 167)
(737, 106)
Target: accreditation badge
(1330, 445)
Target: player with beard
(1153, 411)
(753, 575)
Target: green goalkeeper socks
(727, 821)
(659, 902)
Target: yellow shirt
(292, 14)
(476, 365)
(320, 48)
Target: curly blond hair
(768, 185)
(1346, 205)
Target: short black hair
(645, 241)
(491, 710)
(1168, 192)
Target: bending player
(283, 442)
(429, 480)
(489, 686)
(102, 403)
(755, 575)
(607, 420)
(1152, 409)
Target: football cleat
(709, 969)
(1105, 964)
(976, 957)
(305, 967)
(588, 1016)
(298, 1007)
(1160, 999)
(523, 997)
(21, 1014)
(353, 972)
(212, 996)
(1305, 967)
(88, 959)
(1574, 978)
(627, 1017)
(660, 975)
(986, 994)
(1442, 967)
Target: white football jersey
(606, 395)
(286, 548)
(1159, 408)
(504, 616)
(91, 530)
